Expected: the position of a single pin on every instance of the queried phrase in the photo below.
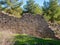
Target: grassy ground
(28, 40)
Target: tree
(51, 9)
(32, 7)
(37, 10)
(1, 3)
(12, 7)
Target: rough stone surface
(30, 24)
(56, 28)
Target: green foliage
(37, 10)
(11, 3)
(14, 4)
(29, 40)
(51, 9)
(12, 7)
(14, 12)
(32, 7)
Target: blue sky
(40, 2)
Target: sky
(40, 2)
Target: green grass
(28, 40)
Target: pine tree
(52, 10)
(32, 7)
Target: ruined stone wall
(30, 24)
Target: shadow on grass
(28, 40)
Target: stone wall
(30, 24)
